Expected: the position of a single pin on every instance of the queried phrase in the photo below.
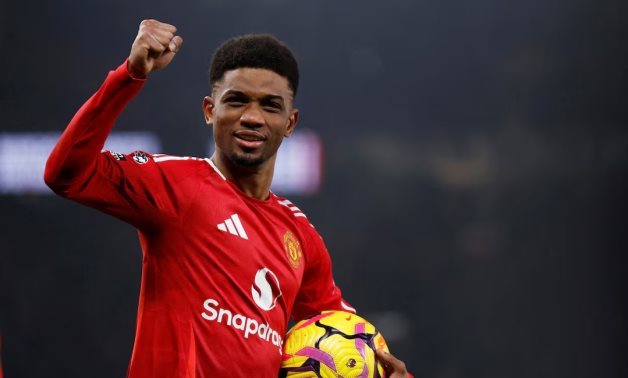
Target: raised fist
(154, 47)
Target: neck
(254, 182)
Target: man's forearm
(75, 154)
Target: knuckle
(148, 23)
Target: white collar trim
(210, 162)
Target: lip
(249, 138)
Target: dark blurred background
(474, 189)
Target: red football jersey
(221, 272)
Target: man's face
(251, 111)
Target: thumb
(175, 44)
(166, 57)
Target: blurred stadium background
(472, 186)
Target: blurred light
(23, 156)
(298, 168)
(299, 164)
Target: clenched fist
(154, 47)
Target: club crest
(293, 249)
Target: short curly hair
(255, 51)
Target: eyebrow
(240, 93)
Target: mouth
(249, 138)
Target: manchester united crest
(293, 249)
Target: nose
(252, 116)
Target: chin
(246, 160)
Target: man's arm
(75, 155)
(319, 293)
(318, 290)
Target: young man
(225, 261)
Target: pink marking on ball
(318, 355)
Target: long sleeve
(130, 187)
(318, 291)
(75, 155)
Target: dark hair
(255, 51)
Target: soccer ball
(332, 344)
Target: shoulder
(141, 158)
(168, 167)
(179, 161)
(290, 208)
(299, 217)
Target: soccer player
(225, 261)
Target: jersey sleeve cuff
(122, 73)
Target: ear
(292, 122)
(208, 109)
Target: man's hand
(394, 368)
(153, 48)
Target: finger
(171, 28)
(175, 43)
(384, 359)
(166, 38)
(164, 26)
(153, 45)
(161, 32)
(161, 37)
(147, 40)
(391, 363)
(151, 23)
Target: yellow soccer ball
(332, 344)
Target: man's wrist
(132, 74)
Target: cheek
(220, 128)
(279, 121)
(223, 120)
(224, 115)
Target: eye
(235, 101)
(272, 106)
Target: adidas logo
(233, 226)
